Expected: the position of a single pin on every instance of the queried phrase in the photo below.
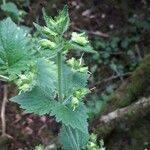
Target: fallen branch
(114, 78)
(131, 113)
(5, 138)
(3, 111)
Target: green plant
(118, 51)
(11, 9)
(48, 82)
(39, 147)
(93, 144)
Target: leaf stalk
(4, 2)
(60, 86)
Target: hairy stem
(60, 87)
(4, 2)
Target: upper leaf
(11, 9)
(85, 48)
(42, 73)
(80, 42)
(60, 23)
(72, 139)
(47, 75)
(14, 48)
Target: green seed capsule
(79, 38)
(47, 44)
(74, 103)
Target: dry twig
(3, 108)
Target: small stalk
(3, 111)
(4, 78)
(59, 65)
(3, 115)
(4, 2)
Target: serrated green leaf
(73, 80)
(11, 9)
(60, 23)
(40, 99)
(50, 22)
(50, 53)
(45, 31)
(47, 75)
(37, 101)
(14, 48)
(72, 139)
(75, 119)
(63, 20)
(87, 48)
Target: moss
(132, 89)
(135, 137)
(139, 82)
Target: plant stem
(4, 2)
(59, 65)
(4, 78)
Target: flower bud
(74, 103)
(23, 77)
(26, 82)
(47, 44)
(83, 69)
(76, 65)
(25, 87)
(81, 93)
(79, 38)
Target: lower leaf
(66, 115)
(72, 139)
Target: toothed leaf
(75, 119)
(73, 80)
(14, 48)
(37, 101)
(47, 75)
(85, 48)
(72, 139)
(41, 98)
(60, 23)
(11, 9)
